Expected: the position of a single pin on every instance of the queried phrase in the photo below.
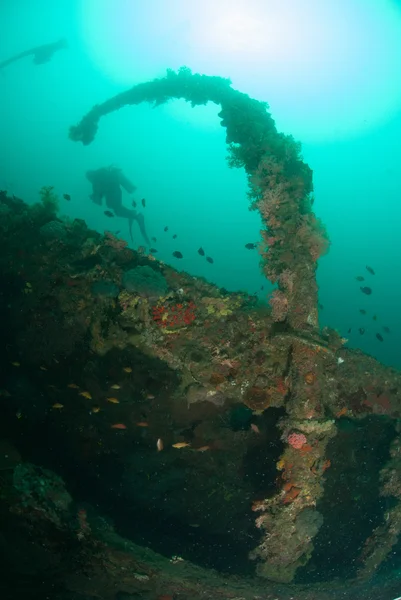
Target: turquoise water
(340, 101)
(331, 77)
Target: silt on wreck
(164, 438)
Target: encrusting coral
(293, 239)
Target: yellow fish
(58, 405)
(95, 409)
(73, 386)
(85, 395)
(113, 400)
(16, 364)
(127, 369)
(181, 445)
(115, 387)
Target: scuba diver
(107, 183)
(41, 54)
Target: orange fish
(255, 428)
(119, 426)
(159, 444)
(142, 424)
(113, 400)
(181, 445)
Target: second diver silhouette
(107, 183)
(41, 54)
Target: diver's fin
(141, 223)
(130, 221)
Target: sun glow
(328, 69)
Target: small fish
(203, 448)
(366, 290)
(349, 330)
(73, 386)
(201, 251)
(86, 395)
(321, 306)
(133, 204)
(117, 232)
(143, 202)
(43, 368)
(127, 369)
(362, 311)
(374, 317)
(177, 254)
(154, 239)
(166, 228)
(386, 329)
(119, 426)
(150, 397)
(152, 250)
(250, 246)
(115, 386)
(361, 330)
(175, 236)
(255, 428)
(181, 445)
(67, 197)
(95, 409)
(209, 259)
(379, 337)
(360, 278)
(371, 271)
(113, 400)
(57, 405)
(159, 445)
(16, 364)
(142, 424)
(108, 213)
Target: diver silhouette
(41, 54)
(107, 183)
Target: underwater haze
(222, 434)
(330, 73)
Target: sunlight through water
(329, 69)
